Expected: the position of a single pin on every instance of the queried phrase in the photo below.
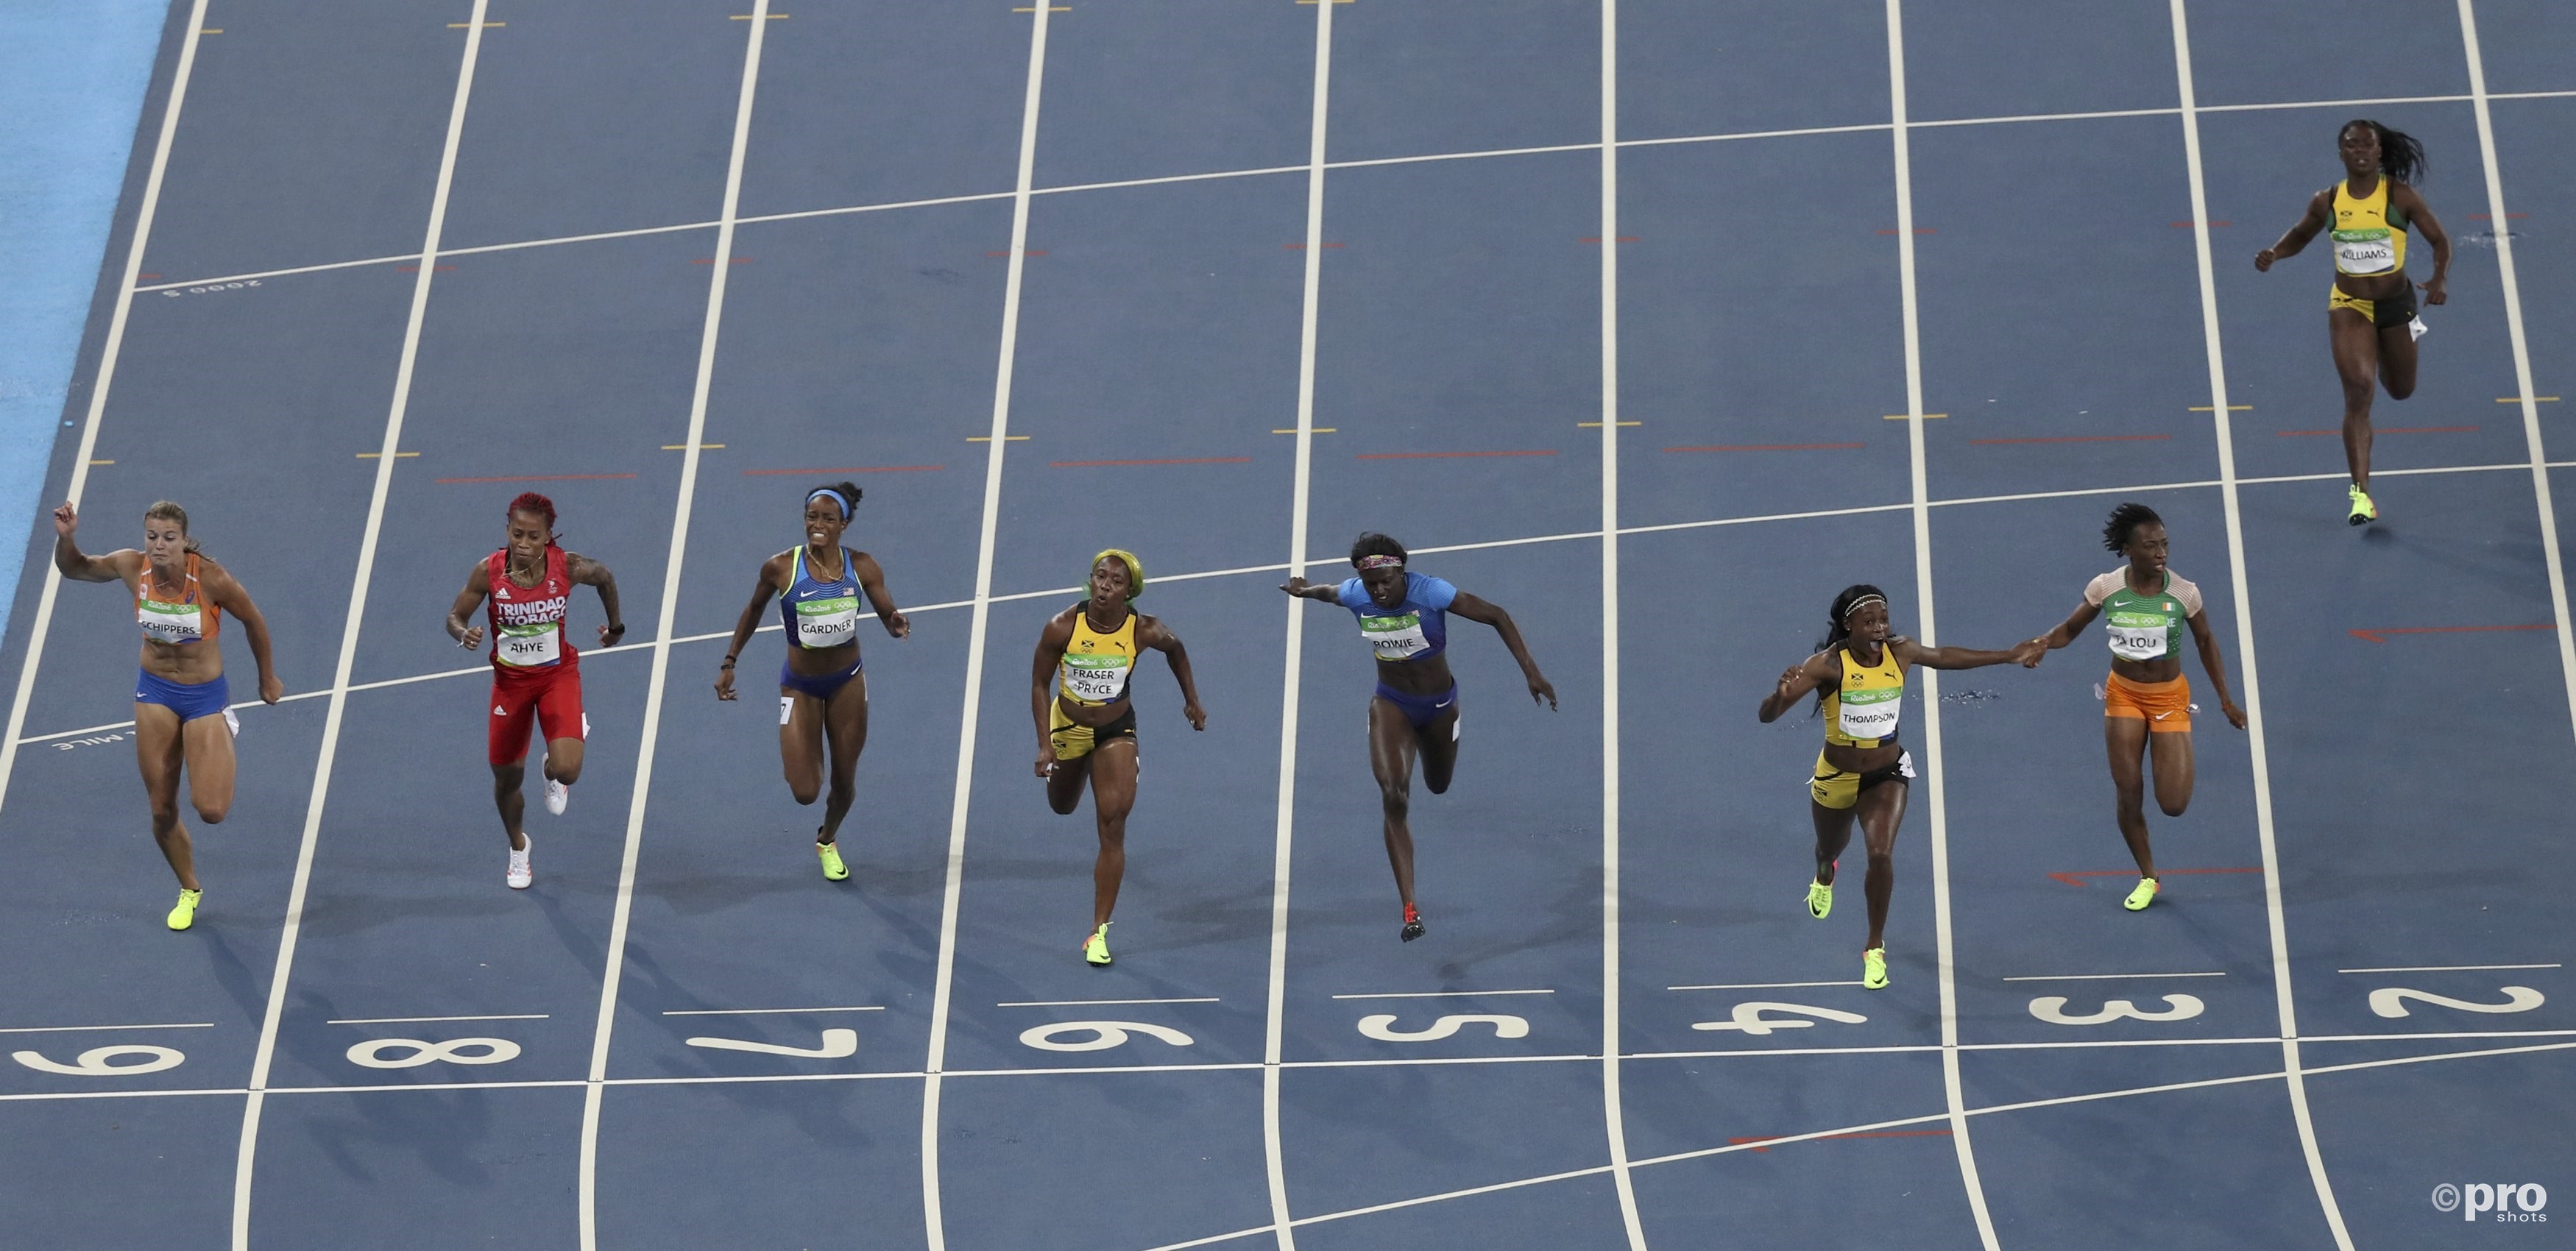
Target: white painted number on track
(370, 1053)
(1382, 1027)
(1748, 1017)
(176, 292)
(2052, 1009)
(1104, 1035)
(837, 1044)
(100, 1061)
(2390, 1001)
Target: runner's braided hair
(2124, 521)
(1375, 544)
(1838, 627)
(166, 510)
(2401, 156)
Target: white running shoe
(557, 796)
(521, 872)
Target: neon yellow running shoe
(2363, 513)
(2145, 894)
(184, 913)
(1820, 900)
(1873, 968)
(833, 869)
(1096, 948)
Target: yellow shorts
(2395, 311)
(2164, 706)
(1836, 789)
(2369, 309)
(1073, 742)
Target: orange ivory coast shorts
(2164, 706)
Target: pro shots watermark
(2503, 1202)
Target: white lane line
(1445, 994)
(764, 1011)
(613, 966)
(1934, 792)
(978, 631)
(1760, 985)
(2101, 977)
(2240, 586)
(415, 1020)
(2452, 968)
(1274, 1014)
(246, 1160)
(2521, 353)
(89, 1029)
(1613, 1107)
(1097, 1003)
(109, 353)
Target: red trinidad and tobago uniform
(536, 674)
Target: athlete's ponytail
(165, 510)
(2401, 156)
(1838, 627)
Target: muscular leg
(157, 749)
(2397, 361)
(2170, 756)
(1064, 786)
(506, 779)
(1881, 810)
(208, 745)
(563, 760)
(1437, 745)
(1113, 795)
(845, 720)
(2356, 356)
(2126, 737)
(1391, 752)
(800, 745)
(1833, 833)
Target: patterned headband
(1381, 562)
(1857, 604)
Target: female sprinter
(2147, 702)
(1859, 679)
(536, 674)
(821, 691)
(181, 717)
(1403, 616)
(1078, 695)
(2370, 314)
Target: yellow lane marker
(682, 447)
(2233, 408)
(102, 462)
(745, 17)
(986, 438)
(1318, 430)
(2516, 399)
(380, 455)
(1594, 425)
(1926, 416)
(210, 30)
(466, 25)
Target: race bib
(170, 623)
(1395, 638)
(2139, 635)
(1096, 679)
(521, 646)
(1871, 714)
(827, 622)
(2371, 251)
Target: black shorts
(2397, 311)
(1074, 741)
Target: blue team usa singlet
(1413, 630)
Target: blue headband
(849, 507)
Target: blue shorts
(190, 701)
(821, 688)
(1420, 710)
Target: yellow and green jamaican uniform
(2146, 627)
(2369, 241)
(1094, 672)
(1861, 712)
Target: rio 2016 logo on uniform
(2506, 1200)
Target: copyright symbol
(2446, 1197)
